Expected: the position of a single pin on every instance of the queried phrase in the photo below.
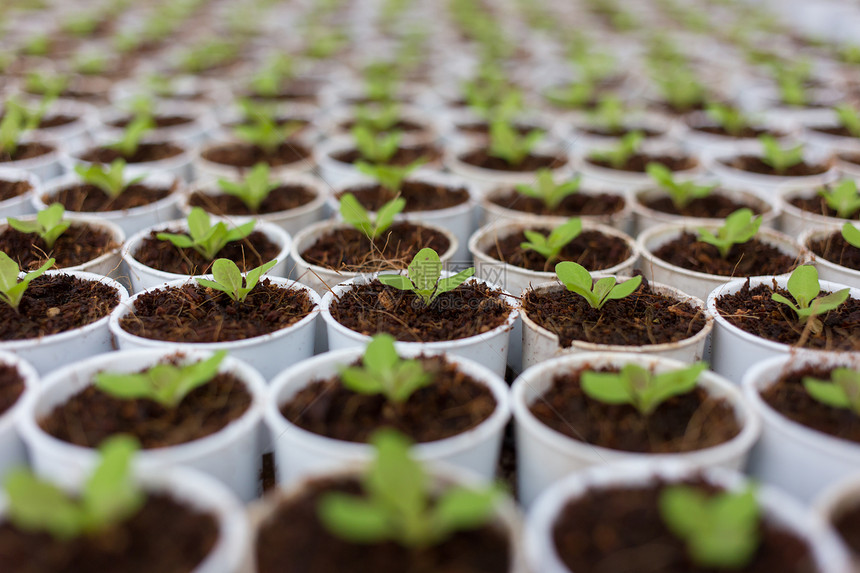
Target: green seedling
(110, 179)
(781, 160)
(851, 234)
(804, 288)
(108, 497)
(739, 227)
(547, 190)
(82, 24)
(30, 118)
(389, 176)
(11, 289)
(11, 128)
(679, 87)
(133, 135)
(729, 118)
(424, 277)
(269, 80)
(841, 391)
(90, 64)
(609, 113)
(46, 84)
(576, 95)
(357, 216)
(680, 192)
(378, 118)
(578, 280)
(384, 372)
(164, 383)
(639, 387)
(626, 148)
(849, 118)
(209, 55)
(204, 237)
(37, 45)
(141, 106)
(401, 505)
(791, 81)
(253, 189)
(49, 224)
(324, 43)
(721, 531)
(380, 80)
(506, 142)
(550, 246)
(263, 130)
(373, 147)
(228, 278)
(842, 198)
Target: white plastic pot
(664, 130)
(332, 125)
(802, 461)
(74, 135)
(195, 132)
(12, 451)
(204, 169)
(20, 205)
(829, 270)
(794, 221)
(827, 142)
(838, 498)
(269, 353)
(179, 165)
(634, 180)
(231, 455)
(44, 167)
(702, 143)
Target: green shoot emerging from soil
(357, 216)
(400, 504)
(619, 155)
(578, 280)
(384, 372)
(507, 143)
(424, 277)
(842, 198)
(46, 84)
(609, 113)
(109, 496)
(849, 118)
(804, 288)
(547, 190)
(12, 291)
(378, 118)
(781, 160)
(128, 145)
(268, 81)
(228, 278)
(49, 224)
(575, 95)
(164, 383)
(549, 246)
(740, 227)
(263, 131)
(721, 531)
(13, 125)
(679, 87)
(376, 148)
(791, 80)
(389, 176)
(639, 387)
(851, 234)
(680, 192)
(111, 179)
(841, 391)
(253, 189)
(729, 118)
(204, 237)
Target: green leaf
(385, 215)
(425, 269)
(452, 282)
(11, 289)
(228, 278)
(354, 520)
(607, 387)
(778, 158)
(355, 214)
(131, 138)
(205, 238)
(842, 198)
(253, 189)
(397, 281)
(109, 494)
(803, 285)
(506, 142)
(35, 505)
(49, 224)
(110, 180)
(851, 234)
(739, 228)
(849, 118)
(464, 509)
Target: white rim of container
(15, 174)
(821, 233)
(769, 215)
(9, 418)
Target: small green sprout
(11, 128)
(578, 280)
(133, 135)
(228, 278)
(11, 290)
(208, 55)
(778, 158)
(82, 24)
(729, 118)
(111, 179)
(380, 79)
(253, 189)
(49, 224)
(424, 277)
(141, 105)
(609, 113)
(721, 531)
(791, 80)
(740, 227)
(37, 45)
(264, 131)
(804, 288)
(389, 176)
(204, 237)
(373, 147)
(679, 87)
(507, 143)
(109, 496)
(379, 118)
(849, 118)
(549, 246)
(851, 234)
(269, 80)
(46, 84)
(357, 216)
(384, 372)
(547, 190)
(400, 504)
(843, 198)
(640, 387)
(90, 64)
(572, 96)
(841, 391)
(680, 192)
(618, 156)
(164, 383)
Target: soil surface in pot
(753, 311)
(620, 528)
(754, 164)
(451, 404)
(643, 318)
(638, 162)
(10, 189)
(92, 416)
(166, 535)
(192, 313)
(850, 157)
(745, 133)
(818, 205)
(691, 421)
(576, 205)
(293, 540)
(26, 151)
(349, 250)
(848, 526)
(247, 253)
(402, 157)
(483, 128)
(56, 120)
(619, 131)
(146, 153)
(789, 397)
(754, 257)
(11, 386)
(57, 303)
(714, 206)
(161, 121)
(86, 198)
(532, 162)
(300, 123)
(279, 199)
(403, 125)
(470, 309)
(837, 130)
(419, 196)
(592, 249)
(79, 244)
(836, 249)
(245, 155)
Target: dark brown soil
(54, 304)
(753, 258)
(532, 162)
(192, 313)
(91, 416)
(754, 164)
(282, 198)
(10, 189)
(166, 535)
(160, 121)
(297, 90)
(86, 198)
(483, 128)
(49, 121)
(26, 151)
(818, 205)
(244, 155)
(302, 123)
(11, 386)
(789, 397)
(638, 162)
(403, 125)
(247, 253)
(403, 156)
(146, 153)
(642, 318)
(591, 249)
(468, 310)
(79, 244)
(576, 205)
(838, 130)
(745, 133)
(836, 249)
(692, 421)
(620, 529)
(619, 131)
(848, 526)
(293, 540)
(850, 157)
(452, 404)
(714, 206)
(349, 250)
(752, 310)
(419, 196)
